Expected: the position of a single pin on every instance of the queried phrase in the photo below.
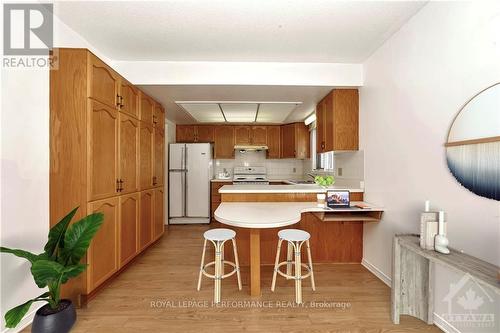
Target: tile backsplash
(276, 168)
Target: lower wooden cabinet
(158, 221)
(146, 218)
(103, 251)
(129, 218)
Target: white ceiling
(246, 30)
(167, 95)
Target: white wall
(25, 172)
(414, 86)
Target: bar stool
(218, 237)
(295, 238)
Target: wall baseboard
(377, 272)
(444, 325)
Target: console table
(412, 269)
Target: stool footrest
(293, 277)
(224, 262)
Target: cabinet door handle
(118, 185)
(154, 180)
(154, 119)
(121, 185)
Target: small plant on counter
(324, 181)
(59, 262)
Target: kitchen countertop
(277, 214)
(282, 189)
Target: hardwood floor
(166, 276)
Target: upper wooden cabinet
(146, 156)
(273, 141)
(103, 252)
(224, 142)
(158, 116)
(128, 100)
(242, 135)
(185, 133)
(146, 106)
(104, 82)
(250, 135)
(258, 135)
(158, 157)
(295, 141)
(103, 151)
(129, 154)
(205, 133)
(337, 121)
(195, 133)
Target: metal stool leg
(222, 260)
(289, 259)
(276, 261)
(298, 271)
(218, 275)
(202, 263)
(313, 284)
(237, 262)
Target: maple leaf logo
(470, 301)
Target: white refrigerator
(190, 172)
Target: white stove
(250, 175)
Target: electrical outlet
(294, 170)
(339, 172)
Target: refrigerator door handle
(184, 203)
(185, 179)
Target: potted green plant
(324, 181)
(60, 261)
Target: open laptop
(338, 199)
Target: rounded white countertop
(270, 214)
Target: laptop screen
(338, 199)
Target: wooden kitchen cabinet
(99, 153)
(128, 154)
(273, 141)
(146, 203)
(103, 251)
(295, 141)
(215, 197)
(146, 156)
(103, 82)
(147, 108)
(242, 135)
(158, 116)
(129, 219)
(224, 142)
(158, 224)
(205, 133)
(158, 156)
(337, 121)
(103, 154)
(128, 100)
(185, 133)
(258, 135)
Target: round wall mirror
(473, 144)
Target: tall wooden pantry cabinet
(106, 154)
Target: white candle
(441, 223)
(427, 205)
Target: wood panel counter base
(255, 262)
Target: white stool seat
(294, 235)
(219, 234)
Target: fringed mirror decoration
(473, 144)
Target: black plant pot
(58, 320)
